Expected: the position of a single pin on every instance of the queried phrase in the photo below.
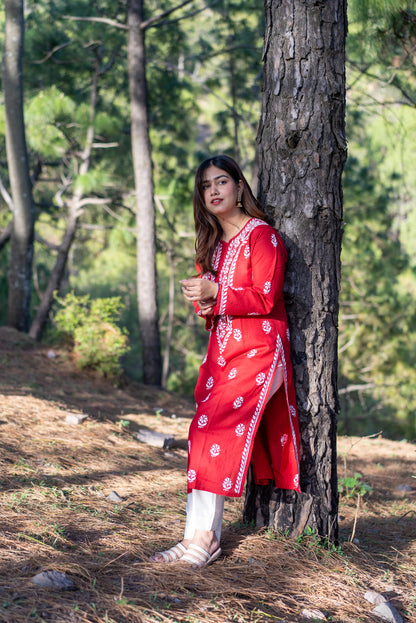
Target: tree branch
(187, 16)
(7, 198)
(5, 234)
(356, 388)
(150, 22)
(101, 20)
(51, 53)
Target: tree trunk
(143, 177)
(21, 241)
(55, 279)
(302, 153)
(170, 317)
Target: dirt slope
(55, 513)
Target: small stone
(51, 354)
(387, 612)
(356, 541)
(114, 497)
(313, 614)
(405, 488)
(158, 440)
(55, 580)
(75, 418)
(374, 598)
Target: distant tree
(22, 228)
(142, 164)
(302, 153)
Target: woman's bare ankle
(206, 539)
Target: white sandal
(170, 555)
(198, 558)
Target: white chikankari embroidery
(238, 402)
(224, 325)
(274, 240)
(205, 399)
(260, 378)
(227, 484)
(246, 251)
(191, 475)
(239, 430)
(232, 374)
(266, 326)
(215, 450)
(252, 353)
(267, 287)
(288, 334)
(296, 481)
(210, 383)
(223, 331)
(283, 439)
(221, 361)
(237, 334)
(202, 421)
(189, 447)
(292, 410)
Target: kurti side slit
(238, 417)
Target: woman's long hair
(207, 227)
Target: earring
(239, 195)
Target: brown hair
(207, 227)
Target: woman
(246, 406)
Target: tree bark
(143, 177)
(302, 152)
(22, 234)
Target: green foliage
(91, 325)
(47, 115)
(321, 546)
(352, 486)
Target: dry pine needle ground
(55, 514)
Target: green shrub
(351, 486)
(98, 342)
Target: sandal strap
(174, 553)
(196, 555)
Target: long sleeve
(268, 259)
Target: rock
(114, 497)
(387, 612)
(158, 440)
(374, 598)
(75, 418)
(405, 488)
(55, 580)
(313, 614)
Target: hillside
(55, 514)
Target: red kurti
(234, 421)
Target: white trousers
(204, 509)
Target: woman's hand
(206, 307)
(202, 291)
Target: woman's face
(220, 192)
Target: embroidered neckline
(238, 233)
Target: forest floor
(55, 514)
